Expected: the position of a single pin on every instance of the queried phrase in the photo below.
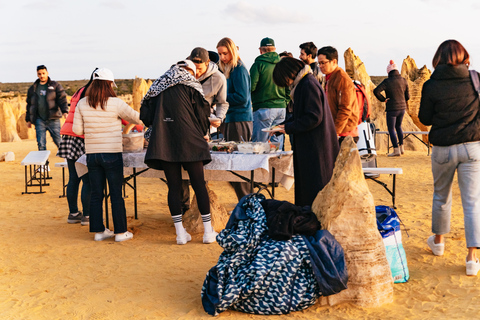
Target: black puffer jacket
(450, 105)
(396, 91)
(56, 100)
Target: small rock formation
(345, 207)
(192, 220)
(140, 88)
(8, 123)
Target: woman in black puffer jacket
(397, 95)
(450, 104)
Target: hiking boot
(210, 237)
(123, 236)
(75, 217)
(473, 267)
(437, 248)
(99, 236)
(85, 221)
(395, 153)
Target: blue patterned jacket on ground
(256, 274)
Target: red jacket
(67, 126)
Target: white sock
(207, 223)
(177, 221)
(74, 214)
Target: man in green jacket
(268, 100)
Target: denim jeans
(72, 190)
(109, 167)
(265, 118)
(41, 128)
(465, 159)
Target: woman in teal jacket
(238, 122)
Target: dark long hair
(451, 52)
(99, 92)
(286, 69)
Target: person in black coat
(315, 146)
(397, 95)
(177, 112)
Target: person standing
(341, 95)
(316, 146)
(99, 116)
(450, 104)
(179, 121)
(308, 53)
(269, 101)
(397, 95)
(46, 103)
(238, 121)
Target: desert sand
(53, 270)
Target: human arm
(346, 104)
(77, 126)
(220, 100)
(127, 113)
(427, 106)
(29, 102)
(377, 91)
(61, 99)
(254, 76)
(240, 82)
(407, 93)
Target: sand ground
(53, 270)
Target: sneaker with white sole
(85, 221)
(473, 267)
(123, 236)
(210, 237)
(99, 236)
(75, 217)
(184, 238)
(437, 248)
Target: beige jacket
(103, 128)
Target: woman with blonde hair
(451, 105)
(238, 121)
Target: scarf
(175, 75)
(302, 73)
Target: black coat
(450, 105)
(179, 125)
(396, 90)
(56, 101)
(315, 145)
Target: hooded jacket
(396, 90)
(56, 101)
(265, 93)
(214, 87)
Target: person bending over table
(316, 146)
(98, 117)
(177, 112)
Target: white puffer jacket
(103, 128)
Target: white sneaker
(473, 267)
(123, 236)
(184, 238)
(437, 248)
(99, 236)
(210, 237)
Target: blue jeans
(265, 118)
(465, 159)
(394, 123)
(41, 128)
(101, 167)
(72, 190)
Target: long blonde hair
(232, 49)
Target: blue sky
(144, 37)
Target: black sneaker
(75, 217)
(85, 221)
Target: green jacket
(265, 93)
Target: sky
(145, 37)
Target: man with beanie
(268, 100)
(341, 95)
(46, 103)
(397, 95)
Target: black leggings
(394, 123)
(173, 173)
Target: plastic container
(132, 142)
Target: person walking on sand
(450, 104)
(397, 95)
(99, 116)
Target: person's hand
(65, 115)
(206, 137)
(216, 123)
(282, 127)
(387, 100)
(29, 124)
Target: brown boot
(402, 150)
(395, 153)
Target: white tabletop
(36, 158)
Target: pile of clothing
(275, 260)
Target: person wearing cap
(238, 122)
(214, 87)
(341, 95)
(397, 95)
(98, 117)
(177, 112)
(269, 101)
(46, 103)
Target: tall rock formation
(8, 122)
(140, 88)
(345, 207)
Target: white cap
(104, 74)
(188, 64)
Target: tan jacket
(342, 100)
(103, 128)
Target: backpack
(362, 101)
